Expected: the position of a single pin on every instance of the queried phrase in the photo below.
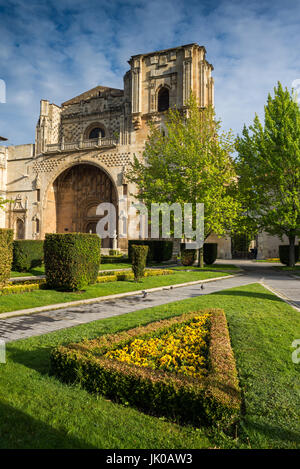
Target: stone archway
(77, 192)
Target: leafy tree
(3, 202)
(190, 163)
(269, 168)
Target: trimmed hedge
(284, 253)
(188, 256)
(139, 256)
(122, 276)
(31, 285)
(212, 400)
(210, 253)
(21, 288)
(114, 253)
(6, 254)
(27, 254)
(114, 260)
(72, 260)
(159, 250)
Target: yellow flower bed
(180, 350)
(21, 288)
(115, 276)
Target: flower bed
(182, 368)
(182, 350)
(23, 287)
(118, 276)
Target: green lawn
(33, 272)
(38, 411)
(115, 266)
(45, 297)
(41, 270)
(123, 265)
(293, 270)
(206, 268)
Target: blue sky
(58, 49)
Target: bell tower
(164, 79)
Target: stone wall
(28, 173)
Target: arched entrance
(77, 192)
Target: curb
(297, 277)
(281, 296)
(26, 279)
(41, 309)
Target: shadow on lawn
(249, 294)
(19, 430)
(283, 437)
(37, 359)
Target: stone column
(136, 89)
(187, 79)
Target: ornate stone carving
(136, 122)
(37, 182)
(124, 176)
(18, 205)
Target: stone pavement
(41, 323)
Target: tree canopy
(268, 165)
(190, 162)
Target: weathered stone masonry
(98, 131)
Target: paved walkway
(41, 323)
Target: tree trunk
(200, 258)
(292, 251)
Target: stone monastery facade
(83, 147)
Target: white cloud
(56, 50)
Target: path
(41, 323)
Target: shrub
(72, 260)
(6, 254)
(139, 256)
(114, 253)
(188, 256)
(159, 250)
(114, 259)
(21, 288)
(121, 275)
(27, 254)
(210, 253)
(213, 398)
(156, 272)
(107, 278)
(24, 286)
(284, 254)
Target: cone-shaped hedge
(284, 254)
(210, 252)
(6, 254)
(139, 257)
(72, 260)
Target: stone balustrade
(105, 142)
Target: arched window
(163, 100)
(96, 132)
